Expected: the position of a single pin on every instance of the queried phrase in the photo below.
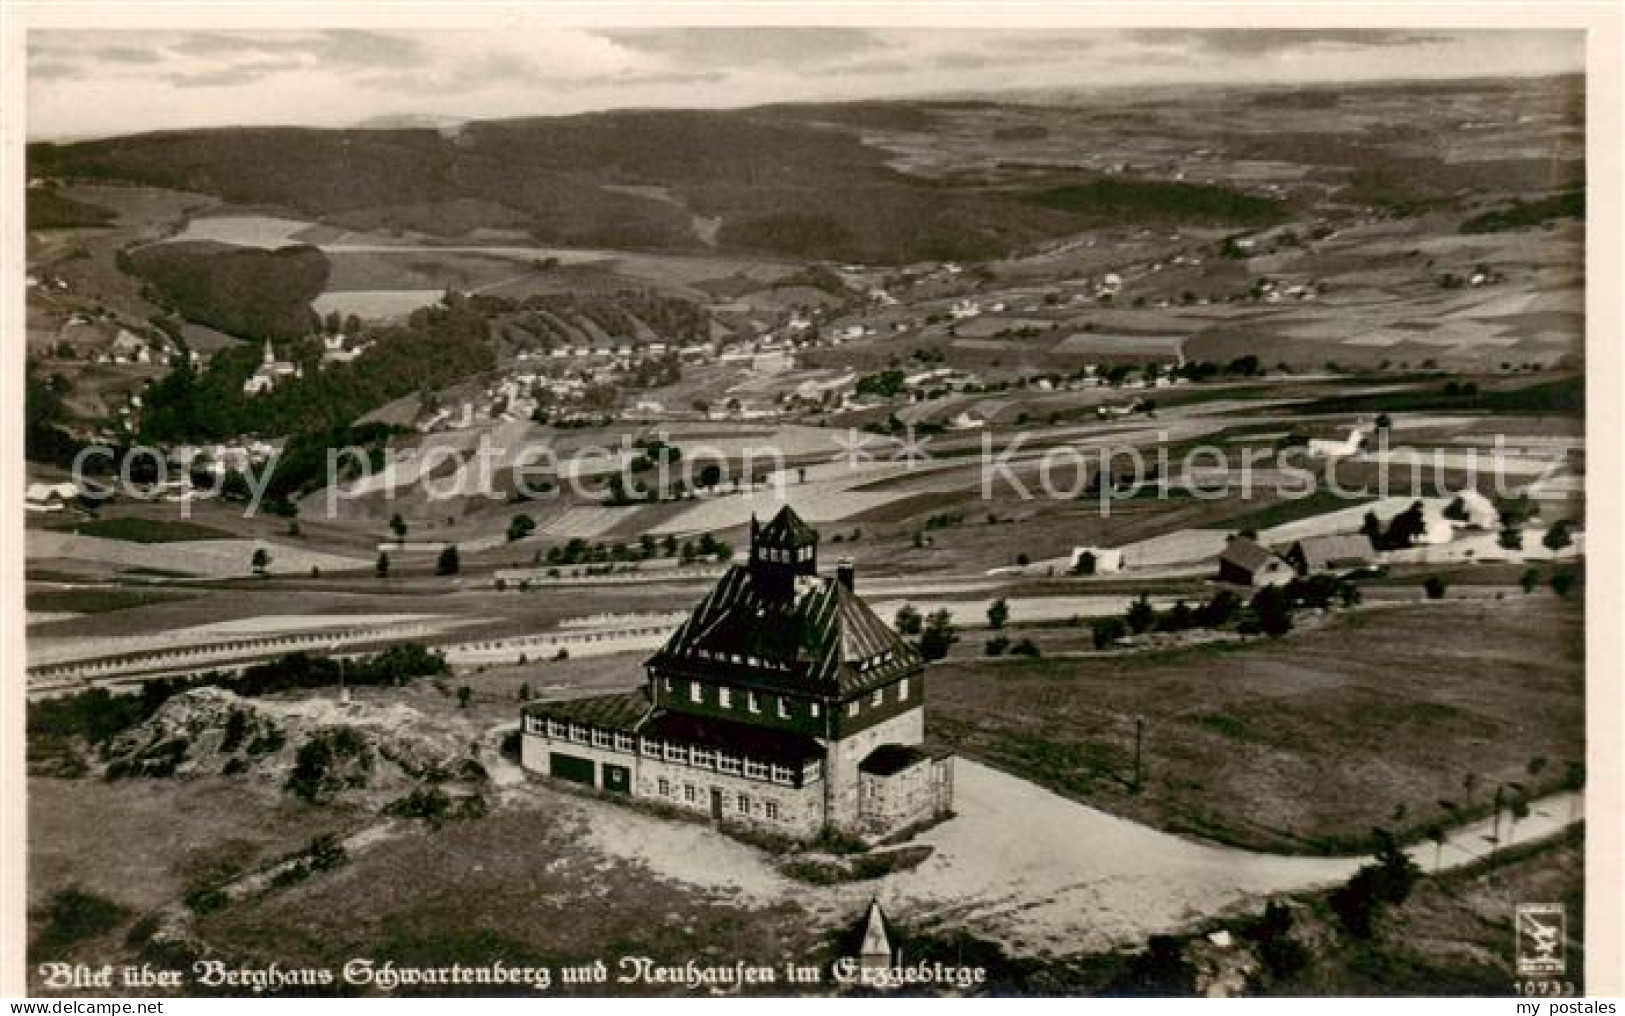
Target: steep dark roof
(1319, 552)
(749, 740)
(786, 529)
(612, 712)
(630, 713)
(890, 759)
(822, 639)
(1245, 554)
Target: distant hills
(786, 181)
(879, 182)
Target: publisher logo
(1540, 939)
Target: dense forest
(45, 208)
(436, 346)
(251, 293)
(785, 181)
(1110, 201)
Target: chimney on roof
(846, 573)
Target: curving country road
(1020, 865)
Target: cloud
(747, 45)
(228, 77)
(50, 70)
(962, 60)
(125, 54)
(87, 82)
(1242, 42)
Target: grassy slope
(1299, 745)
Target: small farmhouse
(783, 702)
(1245, 563)
(1096, 560)
(1332, 554)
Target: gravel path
(1039, 871)
(1026, 867)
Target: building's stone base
(846, 798)
(844, 757)
(912, 797)
(795, 812)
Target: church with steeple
(269, 373)
(782, 702)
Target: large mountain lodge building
(782, 702)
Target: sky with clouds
(91, 83)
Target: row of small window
(878, 698)
(725, 699)
(879, 660)
(784, 556)
(742, 658)
(744, 804)
(704, 758)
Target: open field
(1298, 745)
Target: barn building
(1331, 554)
(782, 702)
(1245, 563)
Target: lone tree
(1085, 564)
(998, 614)
(1107, 631)
(938, 635)
(465, 695)
(1557, 536)
(1372, 528)
(908, 620)
(1434, 587)
(381, 567)
(1529, 580)
(397, 525)
(1375, 886)
(1141, 616)
(521, 527)
(1405, 528)
(449, 563)
(1273, 608)
(261, 560)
